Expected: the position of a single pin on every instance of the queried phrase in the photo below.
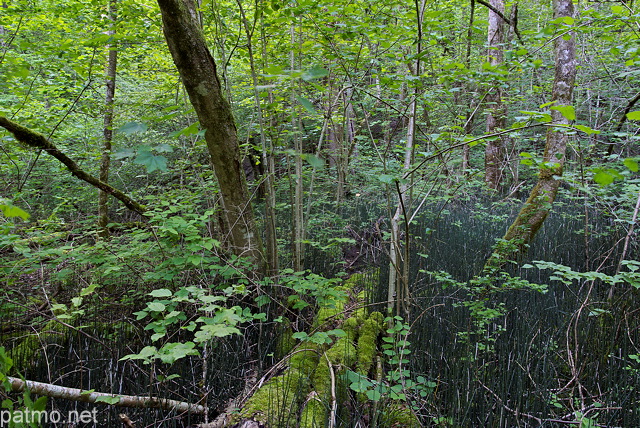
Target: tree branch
(39, 141)
(74, 394)
(513, 24)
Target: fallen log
(75, 394)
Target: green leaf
(114, 399)
(586, 129)
(208, 332)
(313, 160)
(161, 292)
(156, 306)
(386, 178)
(314, 73)
(374, 395)
(632, 164)
(132, 127)
(171, 352)
(9, 210)
(262, 300)
(567, 111)
(124, 153)
(306, 104)
(603, 178)
(633, 115)
(163, 148)
(88, 290)
(192, 129)
(145, 354)
(337, 332)
(300, 335)
(151, 161)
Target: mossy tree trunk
(539, 203)
(199, 75)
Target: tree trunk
(103, 197)
(471, 109)
(268, 184)
(398, 286)
(537, 207)
(297, 214)
(495, 150)
(199, 75)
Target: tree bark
(39, 141)
(495, 150)
(199, 75)
(297, 208)
(271, 255)
(75, 394)
(112, 60)
(539, 203)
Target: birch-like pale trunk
(271, 243)
(298, 231)
(75, 394)
(398, 286)
(495, 149)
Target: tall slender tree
(112, 60)
(495, 149)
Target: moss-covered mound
(314, 388)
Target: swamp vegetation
(320, 214)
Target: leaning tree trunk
(199, 75)
(537, 207)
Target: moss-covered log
(38, 141)
(313, 387)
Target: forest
(314, 213)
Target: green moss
(351, 327)
(360, 314)
(285, 340)
(305, 360)
(309, 377)
(342, 353)
(25, 351)
(322, 380)
(367, 342)
(324, 314)
(315, 413)
(276, 403)
(396, 414)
